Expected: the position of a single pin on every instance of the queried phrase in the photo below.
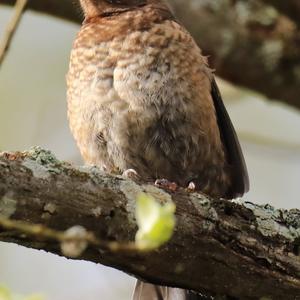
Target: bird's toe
(131, 174)
(166, 184)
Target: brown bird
(141, 96)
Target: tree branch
(219, 247)
(234, 33)
(11, 28)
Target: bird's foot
(131, 174)
(191, 187)
(166, 184)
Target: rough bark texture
(257, 35)
(219, 247)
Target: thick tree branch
(250, 34)
(219, 247)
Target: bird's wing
(240, 184)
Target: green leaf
(156, 222)
(6, 294)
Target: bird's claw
(191, 187)
(166, 184)
(131, 174)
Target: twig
(73, 241)
(11, 28)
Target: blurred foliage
(6, 294)
(156, 222)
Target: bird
(142, 97)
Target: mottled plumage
(141, 96)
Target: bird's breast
(141, 99)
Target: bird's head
(94, 8)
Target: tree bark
(219, 247)
(251, 43)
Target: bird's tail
(148, 291)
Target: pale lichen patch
(97, 175)
(39, 160)
(270, 222)
(205, 209)
(8, 206)
(97, 211)
(50, 208)
(238, 201)
(38, 170)
(203, 206)
(42, 156)
(131, 190)
(85, 169)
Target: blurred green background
(33, 112)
